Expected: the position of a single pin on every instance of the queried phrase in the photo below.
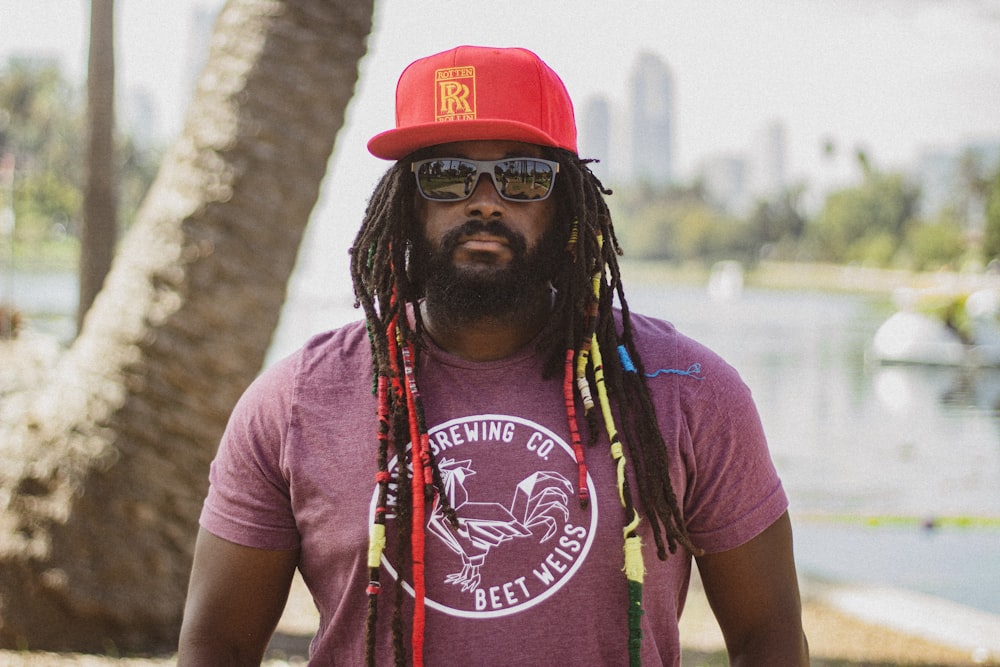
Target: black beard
(459, 295)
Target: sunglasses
(454, 178)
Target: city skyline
(644, 126)
(895, 77)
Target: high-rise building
(768, 156)
(595, 135)
(651, 86)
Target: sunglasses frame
(486, 167)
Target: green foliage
(42, 126)
(948, 308)
(874, 249)
(678, 224)
(41, 117)
(935, 245)
(46, 204)
(991, 238)
(874, 223)
(869, 222)
(776, 227)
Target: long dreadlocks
(599, 363)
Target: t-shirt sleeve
(248, 500)
(733, 492)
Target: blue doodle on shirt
(693, 371)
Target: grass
(54, 255)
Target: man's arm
(754, 593)
(235, 597)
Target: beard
(466, 294)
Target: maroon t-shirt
(530, 578)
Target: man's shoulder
(341, 351)
(345, 341)
(666, 350)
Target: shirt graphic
(522, 534)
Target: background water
(893, 472)
(883, 464)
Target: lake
(893, 472)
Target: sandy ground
(836, 639)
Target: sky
(895, 77)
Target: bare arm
(235, 597)
(754, 593)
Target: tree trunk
(100, 211)
(105, 468)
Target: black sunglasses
(516, 179)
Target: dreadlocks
(580, 339)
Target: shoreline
(814, 276)
(851, 624)
(847, 626)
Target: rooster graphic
(540, 500)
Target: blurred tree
(935, 245)
(778, 222)
(99, 230)
(646, 234)
(991, 232)
(973, 187)
(105, 468)
(678, 224)
(866, 223)
(40, 127)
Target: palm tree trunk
(106, 467)
(100, 211)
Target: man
(462, 478)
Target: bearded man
(463, 477)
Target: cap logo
(455, 93)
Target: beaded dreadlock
(580, 339)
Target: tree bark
(99, 231)
(105, 468)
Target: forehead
(486, 150)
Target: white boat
(918, 338)
(914, 338)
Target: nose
(485, 200)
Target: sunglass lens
(446, 179)
(523, 180)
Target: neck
(490, 337)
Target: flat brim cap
(478, 93)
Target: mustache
(493, 227)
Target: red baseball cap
(474, 92)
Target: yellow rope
(634, 568)
(376, 544)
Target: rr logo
(455, 93)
